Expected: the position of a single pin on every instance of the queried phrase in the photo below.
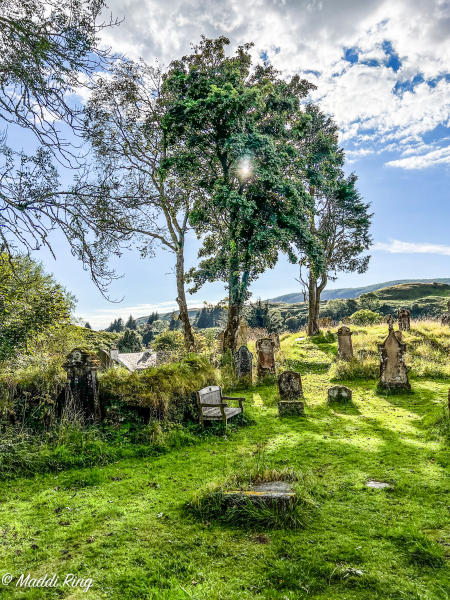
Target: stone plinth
(266, 357)
(243, 365)
(271, 492)
(291, 408)
(339, 393)
(345, 347)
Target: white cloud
(398, 247)
(311, 35)
(421, 161)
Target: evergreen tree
(131, 341)
(131, 323)
(87, 325)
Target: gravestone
(404, 319)
(81, 391)
(266, 358)
(345, 347)
(346, 321)
(275, 339)
(290, 385)
(290, 389)
(243, 365)
(393, 370)
(446, 316)
(241, 334)
(339, 393)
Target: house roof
(135, 361)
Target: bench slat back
(210, 395)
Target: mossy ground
(126, 527)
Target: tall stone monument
(345, 347)
(266, 357)
(275, 339)
(393, 370)
(404, 319)
(243, 365)
(81, 391)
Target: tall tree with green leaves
(238, 126)
(31, 303)
(144, 197)
(339, 219)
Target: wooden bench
(212, 407)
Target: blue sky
(381, 68)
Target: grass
(125, 525)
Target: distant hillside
(413, 291)
(355, 292)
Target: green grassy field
(126, 525)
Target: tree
(147, 198)
(48, 50)
(258, 315)
(131, 323)
(370, 301)
(87, 325)
(238, 126)
(116, 326)
(339, 219)
(31, 303)
(153, 317)
(174, 322)
(365, 317)
(131, 341)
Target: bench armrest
(216, 405)
(233, 398)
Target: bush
(365, 317)
(169, 341)
(166, 392)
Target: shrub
(169, 341)
(365, 317)
(166, 392)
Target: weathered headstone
(290, 385)
(266, 358)
(241, 334)
(243, 365)
(339, 393)
(345, 347)
(404, 319)
(275, 339)
(346, 321)
(393, 370)
(291, 390)
(81, 391)
(445, 320)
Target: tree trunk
(313, 305)
(229, 336)
(182, 304)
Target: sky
(382, 69)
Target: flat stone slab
(270, 491)
(377, 485)
(299, 339)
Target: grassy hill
(413, 291)
(127, 524)
(355, 292)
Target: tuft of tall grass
(214, 504)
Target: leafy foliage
(31, 302)
(365, 317)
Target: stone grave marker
(393, 370)
(243, 364)
(81, 391)
(445, 320)
(241, 334)
(266, 357)
(275, 339)
(404, 319)
(291, 390)
(339, 393)
(345, 347)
